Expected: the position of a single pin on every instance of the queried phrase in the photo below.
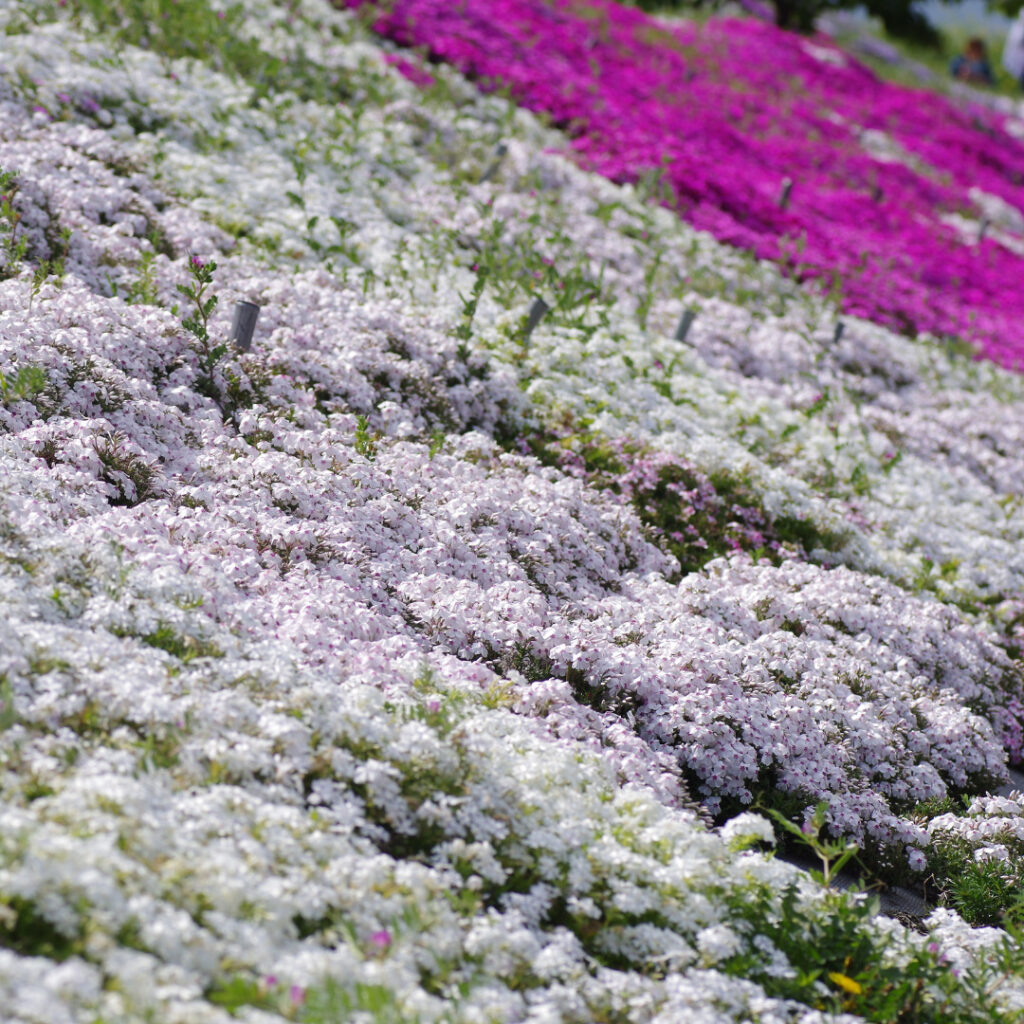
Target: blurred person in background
(972, 65)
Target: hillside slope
(418, 666)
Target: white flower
(916, 859)
(747, 828)
(717, 942)
(996, 851)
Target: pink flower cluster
(735, 115)
(682, 508)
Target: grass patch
(25, 930)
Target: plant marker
(840, 327)
(499, 152)
(787, 188)
(685, 323)
(536, 314)
(244, 324)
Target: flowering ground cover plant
(907, 203)
(380, 673)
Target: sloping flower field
(775, 143)
(450, 656)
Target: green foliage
(833, 854)
(806, 534)
(8, 716)
(437, 440)
(841, 960)
(986, 892)
(646, 299)
(817, 405)
(185, 648)
(143, 288)
(924, 811)
(517, 270)
(53, 267)
(131, 476)
(216, 380)
(195, 291)
(464, 331)
(216, 34)
(238, 992)
(328, 1003)
(900, 17)
(13, 245)
(25, 930)
(158, 752)
(25, 385)
(333, 1002)
(841, 964)
(692, 515)
(930, 576)
(366, 443)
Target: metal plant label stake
(787, 189)
(244, 324)
(685, 323)
(499, 154)
(840, 327)
(534, 317)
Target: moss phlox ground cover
(365, 675)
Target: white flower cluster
(987, 820)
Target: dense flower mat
(376, 674)
(907, 203)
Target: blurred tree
(900, 17)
